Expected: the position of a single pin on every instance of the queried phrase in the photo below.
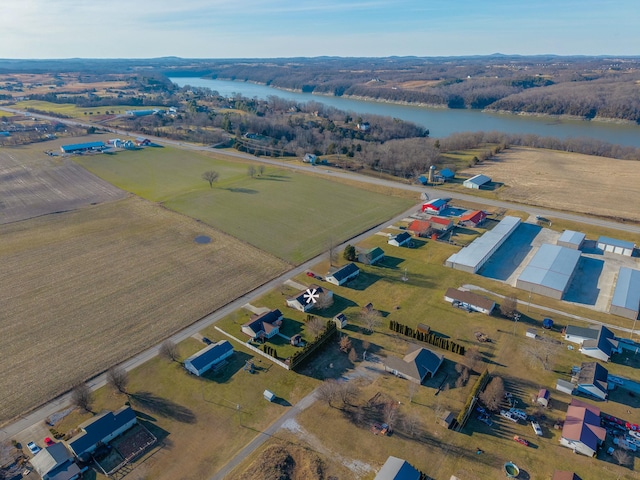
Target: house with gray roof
(597, 342)
(342, 275)
(418, 364)
(592, 380)
(397, 469)
(303, 302)
(263, 326)
(209, 357)
(371, 256)
(400, 240)
(55, 462)
(101, 429)
(476, 181)
(471, 300)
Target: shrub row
(475, 391)
(429, 338)
(269, 350)
(310, 347)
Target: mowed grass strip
(291, 215)
(72, 110)
(84, 290)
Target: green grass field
(290, 215)
(74, 111)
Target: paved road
(432, 192)
(10, 430)
(264, 436)
(553, 310)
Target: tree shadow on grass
(390, 262)
(162, 406)
(363, 281)
(274, 178)
(241, 190)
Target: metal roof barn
(571, 239)
(472, 257)
(626, 296)
(476, 181)
(614, 245)
(550, 271)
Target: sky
(305, 28)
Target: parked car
(616, 380)
(518, 413)
(206, 340)
(33, 448)
(536, 428)
(634, 434)
(521, 440)
(509, 416)
(48, 442)
(310, 274)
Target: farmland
(565, 181)
(287, 214)
(72, 110)
(33, 184)
(84, 290)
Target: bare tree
(169, 350)
(210, 176)
(353, 355)
(251, 171)
(347, 392)
(411, 423)
(413, 389)
(261, 169)
(390, 413)
(315, 326)
(473, 358)
(118, 379)
(333, 252)
(328, 391)
(82, 397)
(371, 319)
(463, 375)
(493, 394)
(542, 353)
(324, 301)
(345, 344)
(622, 456)
(509, 306)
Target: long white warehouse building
(472, 257)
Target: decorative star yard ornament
(311, 295)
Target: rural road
(266, 435)
(318, 170)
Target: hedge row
(310, 347)
(475, 391)
(270, 351)
(429, 338)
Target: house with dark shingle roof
(564, 475)
(397, 469)
(101, 429)
(371, 256)
(593, 380)
(417, 365)
(469, 299)
(399, 240)
(263, 326)
(208, 357)
(598, 342)
(55, 463)
(582, 432)
(342, 275)
(303, 302)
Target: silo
(432, 171)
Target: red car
(48, 442)
(310, 274)
(521, 440)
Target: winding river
(441, 122)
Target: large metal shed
(472, 257)
(626, 296)
(550, 271)
(571, 239)
(613, 245)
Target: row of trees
(429, 338)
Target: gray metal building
(571, 239)
(550, 271)
(472, 257)
(613, 245)
(626, 296)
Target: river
(441, 122)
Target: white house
(342, 275)
(55, 462)
(598, 342)
(471, 300)
(582, 432)
(263, 326)
(309, 158)
(371, 256)
(101, 429)
(401, 240)
(592, 380)
(208, 357)
(303, 302)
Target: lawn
(291, 215)
(72, 110)
(197, 419)
(86, 289)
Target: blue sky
(284, 28)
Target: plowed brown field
(566, 181)
(83, 290)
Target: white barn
(476, 181)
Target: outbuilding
(83, 147)
(471, 300)
(613, 245)
(476, 181)
(400, 240)
(543, 397)
(435, 206)
(550, 271)
(571, 239)
(626, 295)
(269, 395)
(343, 274)
(397, 469)
(371, 256)
(473, 219)
(209, 357)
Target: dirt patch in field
(285, 462)
(566, 181)
(33, 184)
(86, 289)
(418, 84)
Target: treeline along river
(441, 122)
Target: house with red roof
(582, 432)
(473, 219)
(435, 206)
